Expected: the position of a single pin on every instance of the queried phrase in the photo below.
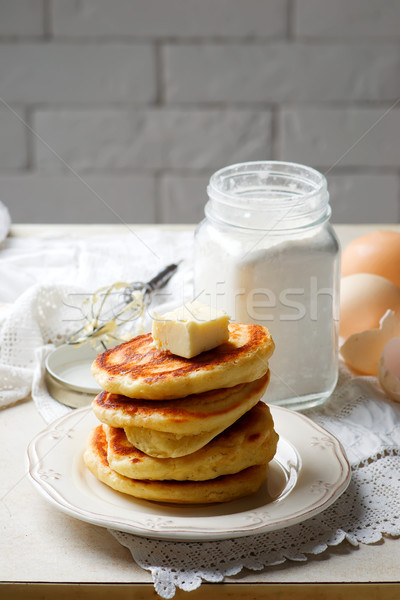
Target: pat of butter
(191, 329)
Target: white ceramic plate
(308, 473)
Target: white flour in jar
(266, 253)
(286, 285)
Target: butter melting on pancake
(137, 369)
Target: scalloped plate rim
(161, 527)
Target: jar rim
(295, 194)
(280, 168)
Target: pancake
(251, 441)
(162, 444)
(221, 489)
(137, 369)
(177, 427)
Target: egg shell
(364, 299)
(377, 253)
(389, 369)
(362, 351)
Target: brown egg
(377, 252)
(364, 299)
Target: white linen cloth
(44, 281)
(5, 222)
(41, 273)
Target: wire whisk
(110, 307)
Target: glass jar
(266, 253)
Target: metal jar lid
(68, 377)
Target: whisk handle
(162, 277)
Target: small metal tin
(68, 377)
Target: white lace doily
(368, 426)
(39, 274)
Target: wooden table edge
(225, 591)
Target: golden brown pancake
(137, 369)
(177, 427)
(163, 444)
(192, 414)
(221, 489)
(251, 441)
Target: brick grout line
(39, 40)
(174, 40)
(47, 20)
(184, 172)
(290, 16)
(30, 144)
(133, 40)
(356, 39)
(163, 105)
(289, 37)
(347, 170)
(160, 75)
(275, 133)
(157, 196)
(180, 172)
(22, 38)
(206, 106)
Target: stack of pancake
(184, 430)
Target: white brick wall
(150, 139)
(130, 105)
(32, 198)
(183, 198)
(282, 72)
(169, 18)
(323, 136)
(64, 73)
(13, 136)
(21, 17)
(347, 18)
(375, 197)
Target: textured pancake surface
(178, 427)
(137, 369)
(251, 441)
(184, 416)
(221, 489)
(162, 444)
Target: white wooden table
(47, 554)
